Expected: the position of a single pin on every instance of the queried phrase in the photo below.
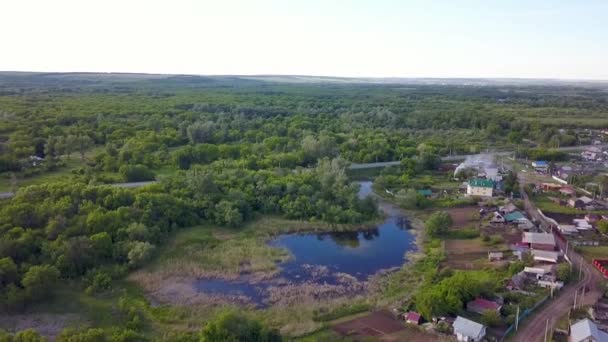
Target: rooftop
(467, 327)
(586, 330)
(539, 238)
(514, 216)
(484, 304)
(481, 183)
(413, 316)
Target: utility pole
(546, 329)
(517, 318)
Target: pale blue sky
(381, 38)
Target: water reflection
(324, 258)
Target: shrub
(136, 173)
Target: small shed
(576, 203)
(495, 256)
(425, 192)
(413, 318)
(567, 229)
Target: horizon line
(317, 76)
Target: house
(544, 241)
(550, 186)
(515, 217)
(480, 305)
(586, 200)
(539, 271)
(425, 192)
(413, 318)
(495, 256)
(480, 187)
(540, 165)
(507, 208)
(567, 229)
(586, 331)
(546, 256)
(567, 191)
(467, 330)
(582, 224)
(576, 203)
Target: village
(528, 217)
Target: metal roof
(468, 328)
(545, 255)
(514, 216)
(585, 330)
(539, 238)
(481, 183)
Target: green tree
(230, 326)
(564, 272)
(136, 173)
(491, 318)
(602, 226)
(140, 252)
(8, 271)
(438, 223)
(39, 281)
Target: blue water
(359, 254)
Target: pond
(328, 259)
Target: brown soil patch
(374, 324)
(463, 217)
(465, 246)
(412, 333)
(469, 254)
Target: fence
(522, 316)
(599, 264)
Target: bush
(232, 326)
(136, 173)
(438, 223)
(491, 318)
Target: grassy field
(593, 252)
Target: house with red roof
(481, 305)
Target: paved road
(356, 166)
(533, 328)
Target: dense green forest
(224, 151)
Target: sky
(565, 39)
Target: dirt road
(533, 328)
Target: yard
(593, 252)
(470, 254)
